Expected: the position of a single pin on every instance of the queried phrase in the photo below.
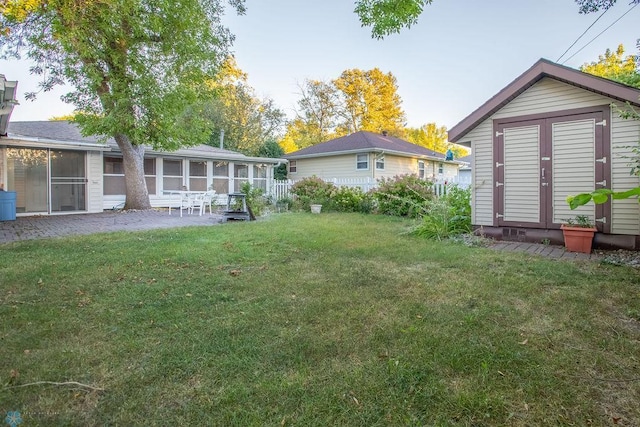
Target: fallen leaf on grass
(524, 342)
(235, 272)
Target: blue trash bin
(7, 205)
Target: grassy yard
(332, 319)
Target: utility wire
(581, 35)
(601, 32)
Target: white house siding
(482, 171)
(395, 165)
(625, 213)
(342, 166)
(94, 181)
(550, 95)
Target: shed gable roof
(541, 69)
(364, 141)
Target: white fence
(282, 189)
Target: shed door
(540, 162)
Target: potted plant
(578, 234)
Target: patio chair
(208, 201)
(196, 201)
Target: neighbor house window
(197, 176)
(221, 177)
(172, 174)
(362, 161)
(380, 162)
(440, 168)
(293, 168)
(421, 170)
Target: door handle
(542, 173)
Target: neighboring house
(550, 133)
(368, 156)
(54, 169)
(464, 173)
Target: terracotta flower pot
(578, 239)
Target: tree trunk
(133, 162)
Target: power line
(601, 32)
(585, 32)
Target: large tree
(615, 66)
(135, 65)
(248, 122)
(370, 102)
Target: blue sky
(458, 55)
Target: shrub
(255, 198)
(447, 216)
(312, 190)
(403, 195)
(348, 199)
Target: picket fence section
(281, 189)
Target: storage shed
(552, 132)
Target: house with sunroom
(368, 156)
(552, 132)
(54, 170)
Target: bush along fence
(281, 189)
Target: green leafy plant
(447, 216)
(403, 195)
(581, 221)
(350, 199)
(255, 198)
(312, 190)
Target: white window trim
(295, 165)
(380, 158)
(357, 161)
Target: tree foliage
(386, 17)
(615, 66)
(247, 121)
(370, 102)
(136, 65)
(589, 6)
(434, 138)
(357, 100)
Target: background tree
(248, 122)
(135, 65)
(430, 136)
(615, 66)
(272, 149)
(370, 102)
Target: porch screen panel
(522, 174)
(573, 166)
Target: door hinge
(602, 160)
(602, 220)
(499, 134)
(603, 182)
(602, 123)
(498, 216)
(499, 184)
(544, 184)
(545, 158)
(499, 164)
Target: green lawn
(300, 319)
